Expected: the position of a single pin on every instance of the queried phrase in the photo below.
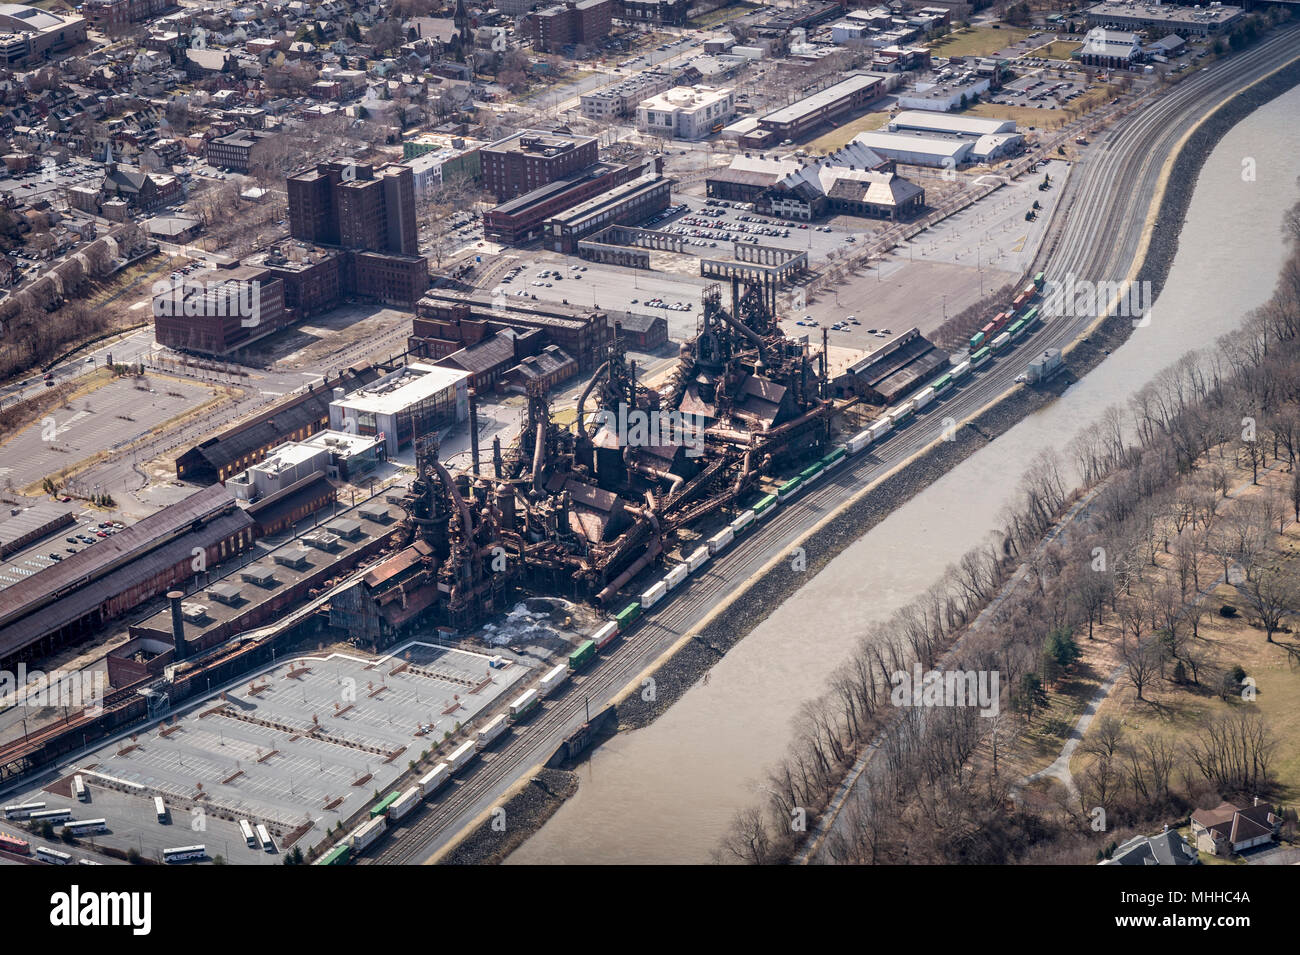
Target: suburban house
(1229, 828)
(1165, 848)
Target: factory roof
(936, 122)
(408, 386)
(886, 142)
(827, 97)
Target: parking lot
(297, 747)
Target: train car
(976, 340)
(902, 413)
(858, 441)
(835, 458)
(627, 615)
(764, 506)
(988, 331)
(811, 473)
(654, 594)
(1000, 320)
(1000, 343)
(789, 489)
(559, 673)
(922, 398)
(1019, 301)
(742, 522)
(160, 809)
(698, 558)
(492, 732)
(405, 803)
(86, 827)
(264, 837)
(719, 541)
(11, 843)
(336, 856)
(1031, 316)
(50, 815)
(363, 836)
(960, 371)
(434, 779)
(23, 810)
(246, 830)
(980, 357)
(881, 428)
(525, 703)
(582, 656)
(676, 575)
(1039, 280)
(941, 384)
(378, 809)
(184, 854)
(53, 856)
(605, 635)
(79, 788)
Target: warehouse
(631, 202)
(928, 121)
(835, 102)
(415, 399)
(519, 221)
(895, 369)
(242, 446)
(918, 149)
(68, 601)
(943, 97)
(686, 112)
(1111, 49)
(1206, 19)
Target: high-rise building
(530, 159)
(356, 206)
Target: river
(667, 793)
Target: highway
(1100, 227)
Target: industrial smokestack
(178, 623)
(473, 429)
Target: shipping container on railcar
(1000, 343)
(676, 576)
(526, 702)
(378, 809)
(980, 357)
(583, 655)
(653, 594)
(605, 635)
(404, 804)
(721, 540)
(698, 558)
(559, 673)
(433, 780)
(961, 371)
(627, 615)
(490, 733)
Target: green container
(382, 807)
(940, 383)
(1039, 279)
(789, 487)
(627, 615)
(980, 356)
(582, 656)
(1030, 316)
(836, 453)
(764, 503)
(808, 473)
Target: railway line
(1104, 219)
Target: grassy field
(980, 41)
(1056, 50)
(1025, 116)
(840, 136)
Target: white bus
(184, 853)
(53, 856)
(23, 810)
(50, 815)
(79, 787)
(247, 829)
(160, 808)
(264, 837)
(81, 827)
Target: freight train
(1019, 310)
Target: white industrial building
(918, 149)
(942, 97)
(928, 121)
(415, 399)
(687, 112)
(340, 455)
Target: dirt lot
(980, 41)
(840, 137)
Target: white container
(488, 734)
(719, 541)
(404, 803)
(364, 835)
(675, 576)
(434, 779)
(653, 595)
(698, 559)
(461, 755)
(923, 398)
(740, 523)
(858, 441)
(523, 702)
(553, 679)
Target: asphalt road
(1108, 196)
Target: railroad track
(1098, 240)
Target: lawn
(1056, 50)
(839, 137)
(980, 41)
(721, 15)
(1025, 116)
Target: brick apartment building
(217, 316)
(238, 150)
(111, 13)
(571, 23)
(356, 206)
(531, 159)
